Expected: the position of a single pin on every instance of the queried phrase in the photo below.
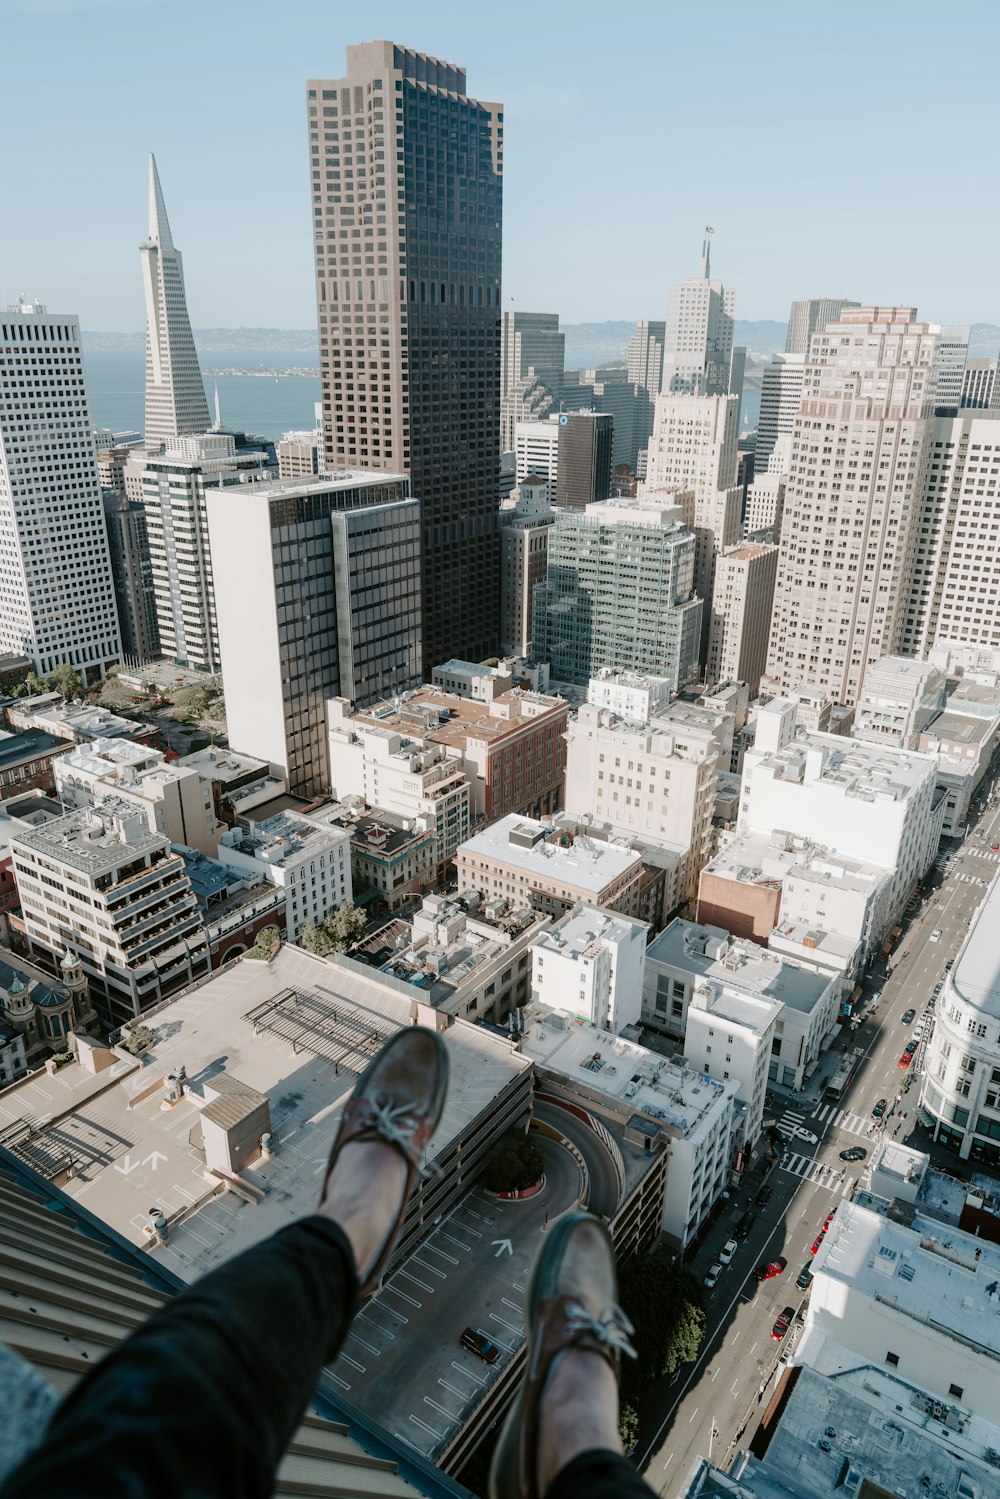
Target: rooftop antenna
(706, 251)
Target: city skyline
(782, 245)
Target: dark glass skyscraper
(407, 216)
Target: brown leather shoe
(571, 1304)
(397, 1100)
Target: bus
(839, 1082)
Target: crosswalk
(822, 1175)
(843, 1119)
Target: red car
(768, 1272)
(783, 1323)
(829, 1219)
(818, 1241)
(994, 848)
(905, 1059)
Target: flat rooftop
(928, 1271)
(223, 765)
(584, 863)
(869, 771)
(285, 836)
(630, 1076)
(446, 718)
(975, 978)
(959, 728)
(710, 952)
(763, 859)
(93, 838)
(583, 932)
(105, 757)
(28, 744)
(658, 734)
(131, 1150)
(879, 1430)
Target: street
(713, 1406)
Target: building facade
(740, 624)
(811, 316)
(174, 799)
(698, 342)
(620, 594)
(309, 860)
(524, 562)
(536, 454)
(175, 393)
(100, 885)
(57, 597)
(531, 863)
(132, 571)
(532, 349)
(408, 167)
(899, 698)
(318, 594)
(590, 964)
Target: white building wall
(536, 451)
(722, 1046)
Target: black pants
(202, 1400)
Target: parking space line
(370, 1346)
(495, 1317)
(434, 1269)
(468, 1374)
(373, 1307)
(462, 1395)
(507, 1347)
(352, 1361)
(415, 1279)
(397, 1292)
(442, 1252)
(437, 1435)
(452, 1240)
(337, 1379)
(443, 1409)
(505, 1301)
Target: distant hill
(587, 344)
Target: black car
(908, 1016)
(745, 1225)
(947, 966)
(880, 1108)
(803, 1278)
(763, 1195)
(477, 1342)
(856, 1153)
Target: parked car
(763, 1195)
(713, 1275)
(804, 1277)
(908, 1016)
(477, 1342)
(856, 1153)
(879, 1108)
(768, 1272)
(905, 1059)
(994, 848)
(727, 1251)
(783, 1323)
(947, 966)
(745, 1225)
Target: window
(892, 1359)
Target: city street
(707, 1408)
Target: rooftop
(711, 953)
(936, 1275)
(30, 744)
(223, 765)
(958, 728)
(876, 1426)
(581, 862)
(298, 1030)
(766, 859)
(446, 718)
(282, 837)
(659, 734)
(107, 757)
(630, 1076)
(583, 932)
(867, 771)
(94, 838)
(77, 718)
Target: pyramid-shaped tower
(175, 393)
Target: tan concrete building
(531, 863)
(852, 502)
(742, 601)
(174, 799)
(524, 561)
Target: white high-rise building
(645, 355)
(780, 399)
(955, 572)
(740, 621)
(536, 449)
(57, 597)
(175, 394)
(695, 448)
(524, 541)
(950, 355)
(852, 501)
(698, 344)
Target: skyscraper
(619, 594)
(132, 571)
(809, 316)
(852, 502)
(780, 398)
(585, 447)
(645, 355)
(740, 626)
(407, 208)
(528, 341)
(175, 394)
(698, 347)
(57, 600)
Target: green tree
(664, 1305)
(628, 1426)
(138, 1039)
(66, 680)
(267, 944)
(36, 684)
(515, 1162)
(315, 939)
(345, 926)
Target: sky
(843, 149)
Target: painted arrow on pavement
(503, 1246)
(154, 1159)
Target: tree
(36, 684)
(138, 1039)
(65, 679)
(267, 944)
(628, 1426)
(345, 926)
(315, 939)
(514, 1163)
(664, 1305)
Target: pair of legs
(202, 1400)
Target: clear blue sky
(846, 148)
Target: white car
(713, 1275)
(727, 1251)
(936, 935)
(803, 1134)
